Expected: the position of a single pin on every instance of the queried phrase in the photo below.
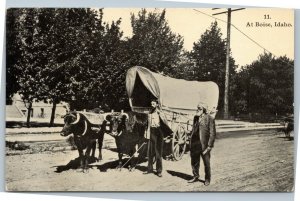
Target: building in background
(39, 109)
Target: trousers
(196, 154)
(155, 149)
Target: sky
(192, 24)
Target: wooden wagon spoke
(176, 147)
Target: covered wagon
(178, 99)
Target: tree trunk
(28, 115)
(53, 114)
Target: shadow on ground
(182, 175)
(131, 164)
(287, 138)
(75, 164)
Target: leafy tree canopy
(153, 44)
(209, 57)
(266, 86)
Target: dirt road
(241, 161)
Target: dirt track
(241, 161)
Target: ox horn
(77, 119)
(85, 128)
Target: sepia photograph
(149, 99)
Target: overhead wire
(251, 39)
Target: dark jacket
(206, 130)
(163, 125)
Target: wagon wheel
(179, 143)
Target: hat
(203, 105)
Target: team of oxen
(127, 128)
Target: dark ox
(84, 137)
(128, 130)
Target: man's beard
(153, 109)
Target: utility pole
(226, 102)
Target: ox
(84, 137)
(128, 130)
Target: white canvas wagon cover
(177, 95)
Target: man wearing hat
(156, 131)
(202, 141)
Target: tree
(66, 55)
(153, 44)
(84, 61)
(267, 85)
(240, 91)
(26, 67)
(68, 37)
(13, 52)
(209, 56)
(101, 67)
(50, 73)
(36, 71)
(185, 67)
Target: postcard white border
(147, 196)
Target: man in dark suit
(157, 129)
(202, 141)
